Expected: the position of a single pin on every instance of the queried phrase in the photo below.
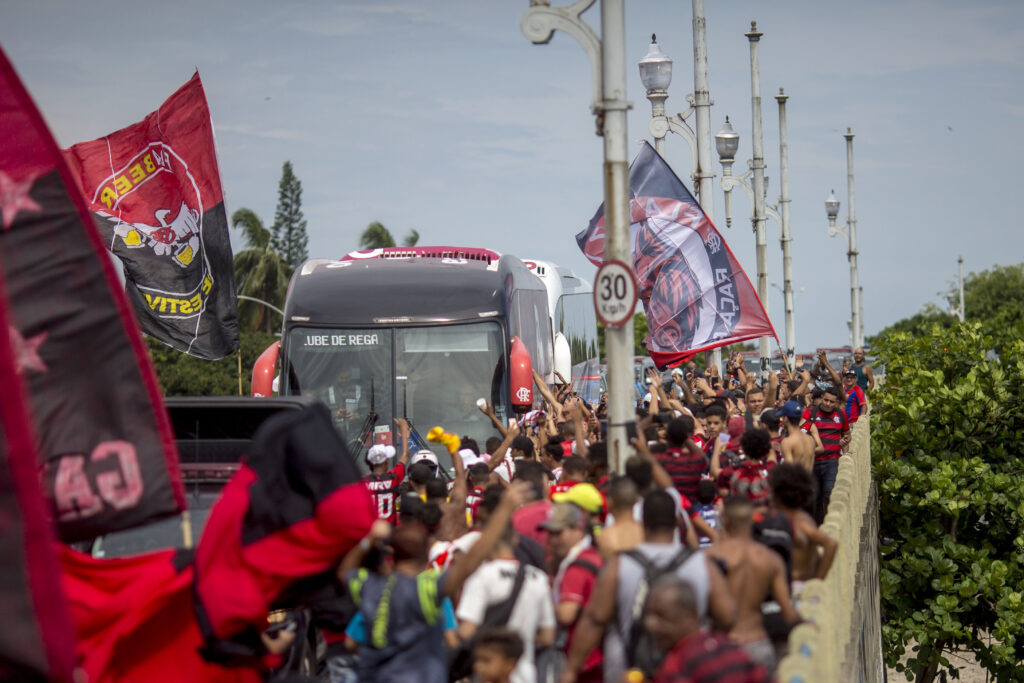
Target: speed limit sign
(614, 294)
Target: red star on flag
(14, 197)
(26, 351)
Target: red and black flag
(292, 511)
(154, 188)
(695, 293)
(104, 440)
(35, 631)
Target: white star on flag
(26, 351)
(14, 197)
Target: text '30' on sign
(614, 294)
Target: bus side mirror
(264, 369)
(520, 377)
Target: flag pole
(239, 369)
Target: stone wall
(840, 639)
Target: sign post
(614, 294)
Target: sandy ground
(970, 670)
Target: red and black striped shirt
(685, 468)
(831, 427)
(709, 658)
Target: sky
(441, 117)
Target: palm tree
(260, 272)
(376, 236)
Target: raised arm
(513, 497)
(837, 381)
(403, 434)
(488, 410)
(499, 455)
(380, 530)
(660, 477)
(576, 411)
(545, 391)
(771, 395)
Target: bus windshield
(429, 375)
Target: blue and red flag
(695, 294)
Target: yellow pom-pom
(435, 434)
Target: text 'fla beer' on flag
(155, 190)
(105, 444)
(695, 294)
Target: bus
(420, 333)
(573, 327)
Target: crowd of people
(530, 560)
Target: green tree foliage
(947, 434)
(918, 324)
(260, 272)
(184, 375)
(376, 236)
(992, 297)
(288, 233)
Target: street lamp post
(727, 142)
(754, 38)
(832, 211)
(784, 235)
(608, 61)
(960, 265)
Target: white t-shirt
(507, 469)
(491, 584)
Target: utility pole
(757, 166)
(851, 234)
(785, 238)
(962, 311)
(608, 61)
(702, 108)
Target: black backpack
(498, 614)
(640, 651)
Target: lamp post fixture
(656, 76)
(784, 235)
(727, 142)
(608, 61)
(961, 311)
(832, 211)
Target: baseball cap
(791, 409)
(562, 516)
(584, 495)
(379, 453)
(849, 373)
(424, 455)
(647, 398)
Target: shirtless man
(798, 446)
(754, 574)
(792, 493)
(626, 533)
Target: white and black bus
(419, 333)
